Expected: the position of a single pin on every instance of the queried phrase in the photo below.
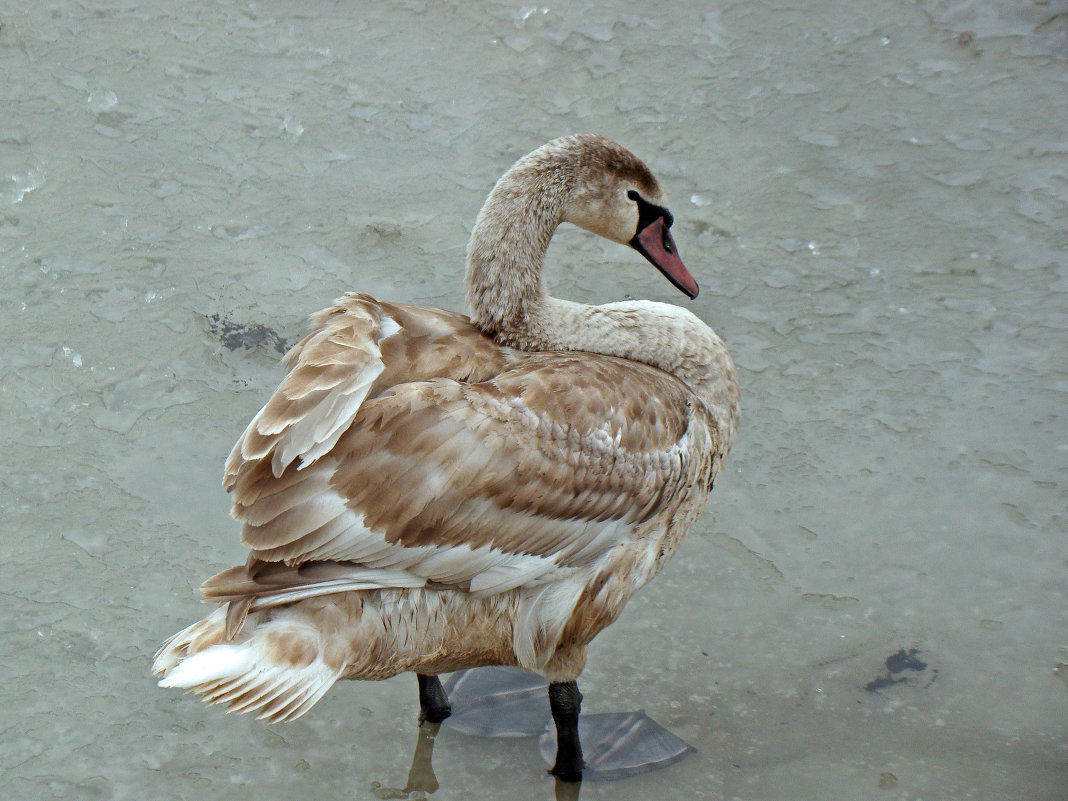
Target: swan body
(429, 492)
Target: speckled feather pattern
(417, 495)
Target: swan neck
(505, 290)
(508, 301)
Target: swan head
(613, 194)
(585, 180)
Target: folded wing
(399, 463)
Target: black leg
(433, 702)
(565, 701)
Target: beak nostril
(655, 243)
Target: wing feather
(402, 444)
(330, 372)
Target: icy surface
(874, 198)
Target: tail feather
(227, 692)
(277, 669)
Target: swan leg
(565, 701)
(434, 704)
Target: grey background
(873, 196)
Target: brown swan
(428, 492)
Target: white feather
(244, 675)
(389, 327)
(212, 664)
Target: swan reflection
(507, 703)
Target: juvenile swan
(429, 492)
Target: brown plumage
(426, 492)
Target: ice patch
(74, 356)
(21, 184)
(102, 101)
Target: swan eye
(649, 213)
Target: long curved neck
(505, 290)
(508, 300)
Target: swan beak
(655, 243)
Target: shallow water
(873, 196)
